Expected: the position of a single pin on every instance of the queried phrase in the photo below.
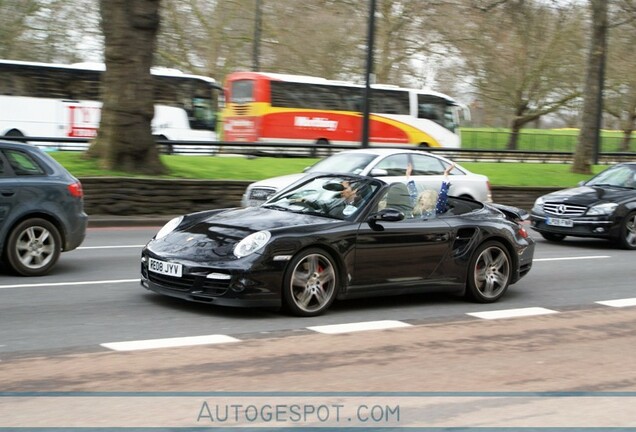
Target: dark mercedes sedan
(316, 241)
(603, 207)
(41, 209)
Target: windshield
(350, 163)
(437, 109)
(338, 197)
(242, 91)
(619, 176)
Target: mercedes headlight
(169, 227)
(251, 243)
(538, 205)
(602, 209)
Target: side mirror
(378, 172)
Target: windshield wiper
(611, 185)
(276, 207)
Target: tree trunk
(513, 139)
(124, 141)
(627, 137)
(589, 136)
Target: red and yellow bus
(278, 108)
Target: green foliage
(240, 168)
(551, 140)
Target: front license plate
(166, 268)
(559, 222)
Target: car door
(8, 190)
(399, 254)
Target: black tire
(627, 239)
(311, 283)
(33, 247)
(553, 237)
(320, 152)
(166, 149)
(15, 133)
(489, 273)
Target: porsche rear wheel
(627, 239)
(310, 283)
(489, 274)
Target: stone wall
(120, 196)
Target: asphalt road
(93, 297)
(548, 355)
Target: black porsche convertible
(315, 242)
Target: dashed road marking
(359, 326)
(572, 258)
(512, 313)
(169, 342)
(619, 302)
(49, 284)
(339, 328)
(110, 247)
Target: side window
(425, 165)
(3, 171)
(397, 197)
(394, 165)
(23, 164)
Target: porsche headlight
(602, 209)
(251, 243)
(169, 227)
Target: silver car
(386, 164)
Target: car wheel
(628, 232)
(310, 283)
(553, 237)
(489, 273)
(320, 152)
(33, 247)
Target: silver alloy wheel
(492, 272)
(35, 247)
(313, 283)
(630, 231)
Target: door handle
(7, 193)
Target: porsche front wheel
(310, 283)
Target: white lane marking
(572, 258)
(109, 247)
(619, 302)
(69, 283)
(169, 342)
(360, 326)
(512, 313)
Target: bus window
(436, 109)
(203, 114)
(242, 91)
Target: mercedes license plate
(559, 222)
(166, 268)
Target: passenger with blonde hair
(425, 203)
(429, 202)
